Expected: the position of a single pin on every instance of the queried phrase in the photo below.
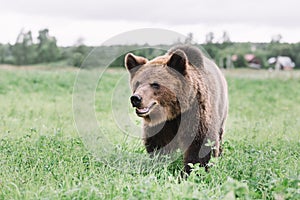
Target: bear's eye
(155, 85)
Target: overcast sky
(98, 20)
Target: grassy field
(43, 156)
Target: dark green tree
(240, 62)
(24, 51)
(47, 48)
(79, 53)
(2, 53)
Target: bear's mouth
(142, 112)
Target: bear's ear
(178, 61)
(132, 61)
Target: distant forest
(45, 51)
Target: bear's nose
(136, 100)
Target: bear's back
(193, 54)
(212, 77)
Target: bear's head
(161, 88)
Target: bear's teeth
(143, 110)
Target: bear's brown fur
(182, 98)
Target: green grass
(43, 157)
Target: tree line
(27, 52)
(45, 50)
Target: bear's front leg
(156, 145)
(197, 152)
(151, 145)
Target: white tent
(282, 62)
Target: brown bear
(182, 98)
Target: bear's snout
(136, 100)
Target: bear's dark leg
(154, 146)
(158, 138)
(151, 145)
(196, 153)
(220, 141)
